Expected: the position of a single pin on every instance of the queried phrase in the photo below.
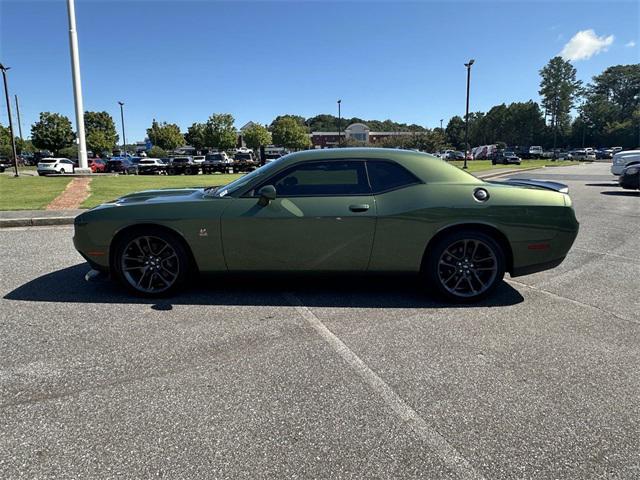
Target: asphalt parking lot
(310, 378)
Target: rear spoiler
(549, 185)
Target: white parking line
(445, 451)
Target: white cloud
(584, 45)
(630, 44)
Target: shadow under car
(356, 291)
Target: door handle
(363, 207)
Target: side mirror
(266, 193)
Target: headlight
(633, 170)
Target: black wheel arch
(142, 226)
(489, 230)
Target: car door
(322, 219)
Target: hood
(163, 195)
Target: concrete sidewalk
(37, 218)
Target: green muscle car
(339, 210)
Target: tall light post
(441, 123)
(124, 139)
(339, 124)
(466, 118)
(77, 88)
(19, 121)
(13, 137)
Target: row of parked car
(242, 161)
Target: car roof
(426, 167)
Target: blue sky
(180, 61)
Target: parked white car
(622, 159)
(199, 159)
(535, 151)
(51, 166)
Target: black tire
(465, 276)
(156, 258)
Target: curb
(35, 221)
(508, 172)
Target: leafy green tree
(257, 136)
(559, 90)
(298, 119)
(455, 132)
(609, 114)
(196, 136)
(289, 133)
(99, 141)
(156, 152)
(52, 132)
(68, 152)
(24, 146)
(100, 131)
(165, 135)
(221, 132)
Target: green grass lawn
(29, 193)
(482, 165)
(105, 189)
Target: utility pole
(124, 139)
(339, 124)
(13, 137)
(441, 123)
(466, 118)
(77, 89)
(19, 121)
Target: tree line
(608, 114)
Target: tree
(257, 136)
(455, 132)
(611, 107)
(52, 132)
(165, 135)
(156, 152)
(300, 120)
(289, 133)
(196, 136)
(99, 141)
(100, 132)
(559, 90)
(220, 131)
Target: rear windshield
(243, 156)
(214, 156)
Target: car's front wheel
(151, 262)
(465, 266)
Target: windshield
(244, 180)
(243, 156)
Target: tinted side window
(385, 176)
(321, 178)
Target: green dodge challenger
(340, 210)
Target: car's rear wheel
(151, 262)
(465, 266)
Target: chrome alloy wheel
(467, 268)
(150, 264)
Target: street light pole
(441, 123)
(124, 139)
(466, 118)
(13, 137)
(77, 88)
(339, 124)
(19, 121)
